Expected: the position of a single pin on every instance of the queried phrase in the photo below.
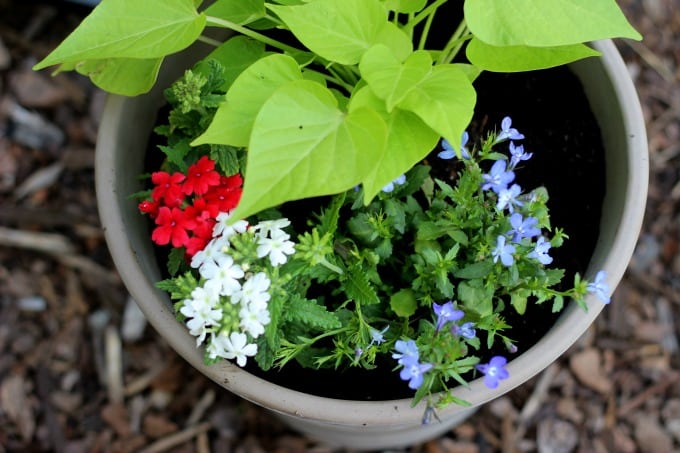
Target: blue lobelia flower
(413, 372)
(467, 330)
(406, 351)
(599, 287)
(507, 198)
(523, 227)
(503, 252)
(518, 155)
(398, 181)
(498, 178)
(508, 132)
(494, 371)
(450, 152)
(540, 251)
(446, 313)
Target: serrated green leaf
(358, 288)
(175, 260)
(226, 158)
(241, 12)
(303, 146)
(518, 299)
(523, 58)
(444, 100)
(342, 30)
(233, 121)
(311, 313)
(176, 154)
(546, 23)
(475, 296)
(130, 29)
(475, 270)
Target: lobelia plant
(345, 103)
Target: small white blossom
(203, 312)
(222, 276)
(265, 227)
(277, 247)
(224, 229)
(235, 346)
(212, 251)
(254, 290)
(253, 319)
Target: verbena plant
(344, 102)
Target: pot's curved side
(121, 146)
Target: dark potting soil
(550, 108)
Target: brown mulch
(81, 371)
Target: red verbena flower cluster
(185, 206)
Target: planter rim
(571, 325)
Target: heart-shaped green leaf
(444, 100)
(130, 29)
(342, 30)
(238, 11)
(390, 79)
(235, 55)
(546, 23)
(233, 121)
(405, 6)
(124, 76)
(409, 140)
(522, 58)
(303, 146)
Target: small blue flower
(413, 372)
(508, 132)
(507, 198)
(599, 287)
(398, 181)
(540, 251)
(503, 252)
(498, 178)
(450, 152)
(377, 336)
(517, 155)
(467, 330)
(523, 228)
(494, 371)
(446, 313)
(406, 351)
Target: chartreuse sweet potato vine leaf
(405, 6)
(522, 58)
(124, 76)
(342, 30)
(546, 23)
(130, 29)
(444, 100)
(235, 55)
(240, 12)
(233, 121)
(303, 146)
(409, 140)
(390, 79)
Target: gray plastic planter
(121, 146)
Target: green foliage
(373, 102)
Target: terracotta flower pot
(121, 146)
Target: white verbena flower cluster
(231, 306)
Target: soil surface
(81, 371)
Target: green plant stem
(217, 22)
(423, 15)
(208, 40)
(455, 43)
(426, 31)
